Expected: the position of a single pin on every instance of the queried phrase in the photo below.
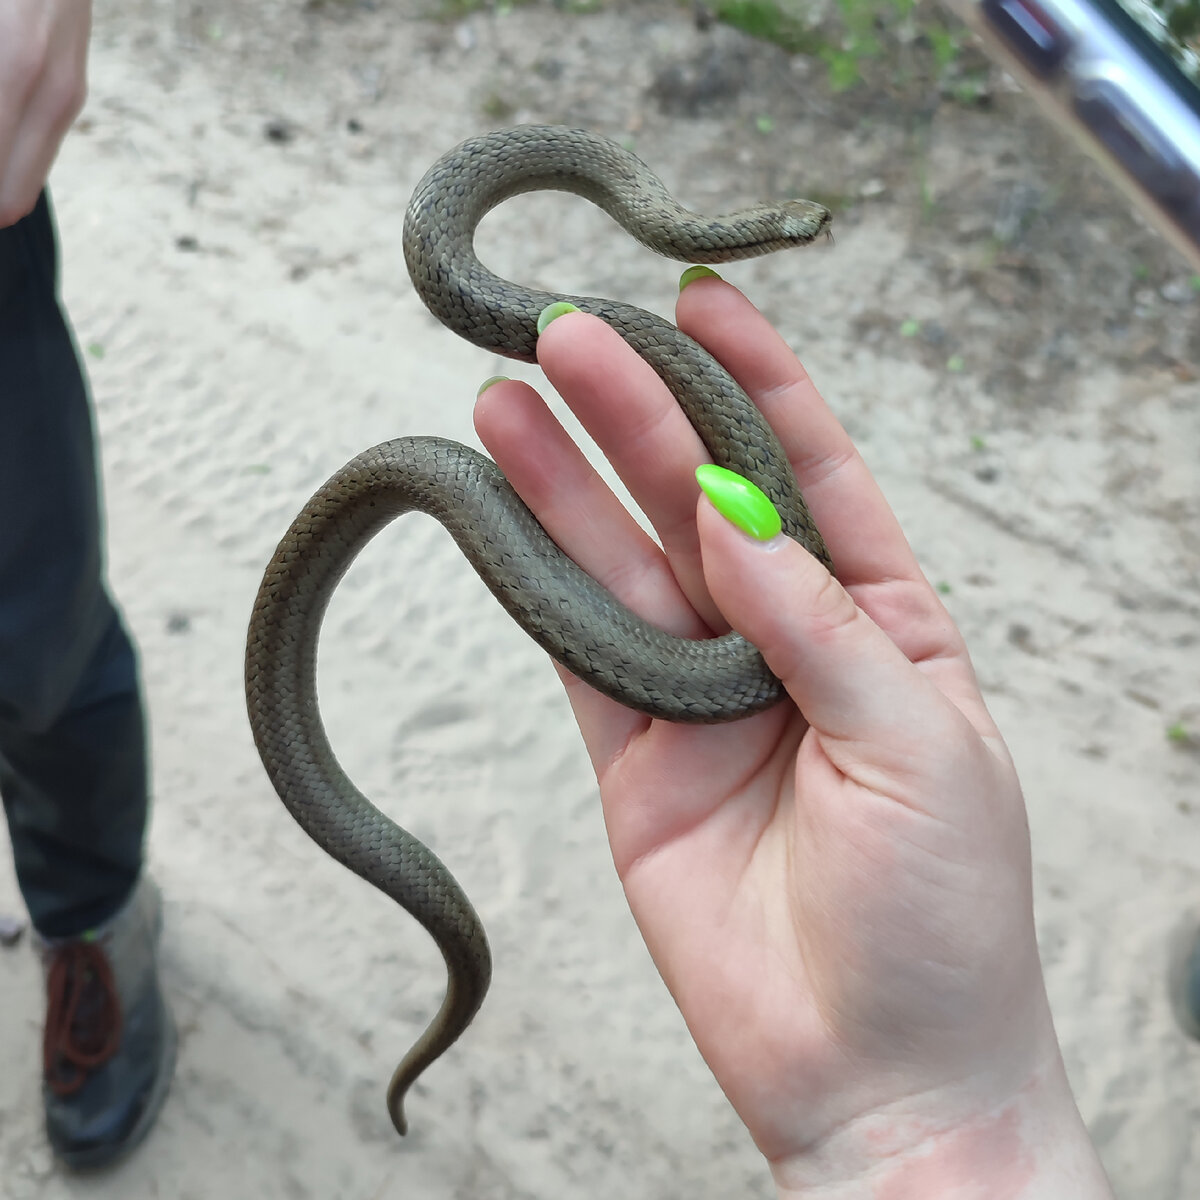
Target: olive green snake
(565, 611)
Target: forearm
(1035, 1147)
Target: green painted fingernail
(694, 273)
(552, 312)
(739, 501)
(487, 383)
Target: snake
(570, 615)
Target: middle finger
(641, 430)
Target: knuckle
(831, 609)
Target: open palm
(839, 902)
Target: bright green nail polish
(739, 501)
(487, 383)
(694, 273)
(552, 311)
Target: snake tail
(291, 740)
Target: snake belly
(565, 611)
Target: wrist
(1033, 1146)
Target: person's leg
(72, 740)
(72, 757)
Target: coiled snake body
(559, 605)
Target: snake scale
(557, 603)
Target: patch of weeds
(770, 21)
(945, 43)
(862, 23)
(1182, 16)
(453, 9)
(907, 38)
(96, 350)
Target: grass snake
(556, 602)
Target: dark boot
(109, 1047)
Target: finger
(881, 719)
(641, 430)
(577, 508)
(871, 555)
(590, 524)
(863, 535)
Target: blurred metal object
(1129, 95)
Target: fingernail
(487, 383)
(694, 273)
(739, 501)
(553, 311)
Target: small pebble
(12, 929)
(279, 131)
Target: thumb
(847, 677)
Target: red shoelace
(83, 1016)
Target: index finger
(864, 537)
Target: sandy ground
(248, 326)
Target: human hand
(43, 84)
(840, 902)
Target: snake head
(803, 220)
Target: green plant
(1183, 17)
(860, 42)
(771, 21)
(1179, 734)
(859, 32)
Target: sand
(230, 207)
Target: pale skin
(840, 905)
(43, 84)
